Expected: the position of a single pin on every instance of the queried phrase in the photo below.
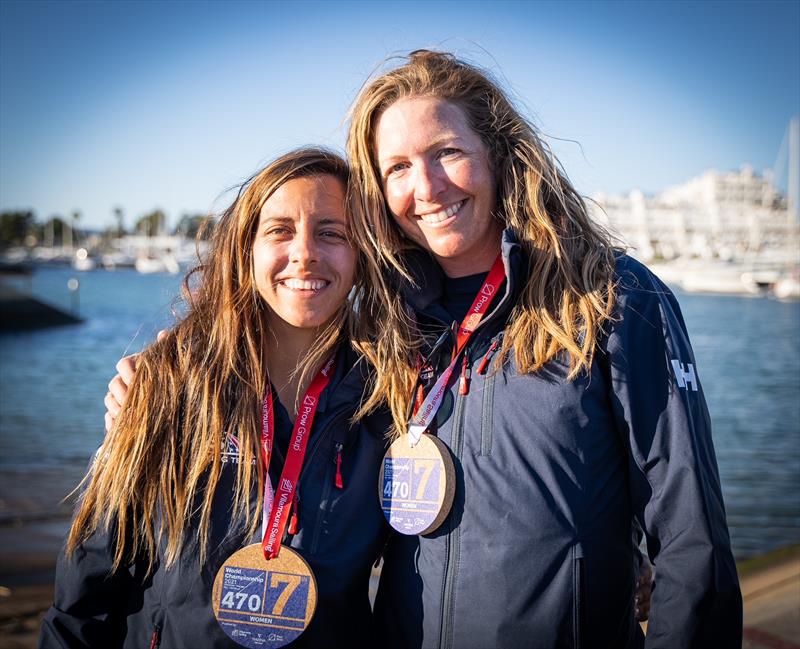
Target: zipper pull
(295, 514)
(463, 382)
(339, 482)
(155, 639)
(485, 360)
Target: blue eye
(396, 168)
(443, 153)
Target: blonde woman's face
(438, 182)
(303, 262)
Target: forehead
(415, 122)
(322, 195)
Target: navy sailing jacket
(340, 534)
(550, 473)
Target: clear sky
(167, 104)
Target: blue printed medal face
(261, 603)
(416, 484)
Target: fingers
(115, 397)
(644, 590)
(161, 334)
(126, 368)
(109, 422)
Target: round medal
(264, 604)
(417, 484)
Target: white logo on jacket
(685, 377)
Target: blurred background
(124, 126)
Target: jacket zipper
(311, 453)
(453, 545)
(325, 502)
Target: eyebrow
(445, 138)
(327, 220)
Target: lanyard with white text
(427, 410)
(287, 484)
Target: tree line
(22, 228)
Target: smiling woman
(438, 182)
(566, 422)
(191, 510)
(303, 261)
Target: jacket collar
(347, 383)
(426, 295)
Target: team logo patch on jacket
(230, 450)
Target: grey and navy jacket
(550, 474)
(340, 534)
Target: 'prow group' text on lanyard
(427, 410)
(287, 484)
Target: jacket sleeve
(661, 413)
(91, 602)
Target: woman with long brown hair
(556, 370)
(237, 483)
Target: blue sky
(167, 104)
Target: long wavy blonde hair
(158, 468)
(569, 291)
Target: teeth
(305, 284)
(438, 217)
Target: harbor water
(52, 384)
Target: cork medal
(417, 484)
(264, 604)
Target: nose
(428, 182)
(303, 250)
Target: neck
(285, 349)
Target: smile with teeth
(442, 215)
(304, 284)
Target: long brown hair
(159, 466)
(569, 291)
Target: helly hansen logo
(685, 376)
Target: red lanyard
(287, 484)
(427, 410)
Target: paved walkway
(771, 593)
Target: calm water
(52, 384)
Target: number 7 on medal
(426, 466)
(291, 581)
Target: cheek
(347, 264)
(397, 198)
(263, 263)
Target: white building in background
(721, 231)
(737, 215)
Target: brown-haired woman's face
(438, 182)
(303, 261)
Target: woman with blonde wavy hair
(577, 405)
(240, 432)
